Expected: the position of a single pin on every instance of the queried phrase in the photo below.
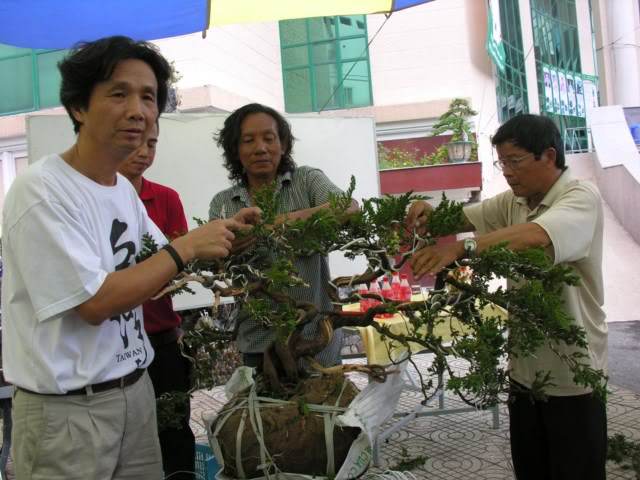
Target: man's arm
(431, 260)
(307, 212)
(125, 289)
(318, 187)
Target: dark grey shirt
(305, 188)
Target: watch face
(470, 244)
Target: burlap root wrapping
(294, 441)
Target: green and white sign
(495, 47)
(569, 93)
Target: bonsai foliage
(260, 279)
(624, 452)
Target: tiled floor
(461, 446)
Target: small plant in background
(406, 462)
(454, 120)
(389, 158)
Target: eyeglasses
(511, 163)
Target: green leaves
(149, 248)
(447, 218)
(624, 452)
(268, 200)
(449, 322)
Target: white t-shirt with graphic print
(62, 235)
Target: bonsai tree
(259, 280)
(454, 120)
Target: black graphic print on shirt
(118, 229)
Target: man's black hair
(533, 133)
(90, 63)
(228, 138)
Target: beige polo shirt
(571, 214)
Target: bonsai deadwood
(260, 280)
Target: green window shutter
(293, 32)
(297, 89)
(29, 79)
(49, 78)
(327, 48)
(326, 80)
(16, 85)
(356, 86)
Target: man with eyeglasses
(565, 436)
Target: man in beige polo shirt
(563, 437)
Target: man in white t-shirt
(73, 334)
(563, 437)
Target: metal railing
(578, 140)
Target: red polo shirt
(165, 209)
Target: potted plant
(454, 120)
(247, 435)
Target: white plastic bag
(369, 410)
(241, 379)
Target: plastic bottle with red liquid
(387, 293)
(374, 288)
(405, 288)
(364, 302)
(395, 286)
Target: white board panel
(189, 161)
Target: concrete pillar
(623, 36)
(530, 57)
(585, 37)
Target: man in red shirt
(170, 370)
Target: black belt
(165, 337)
(121, 382)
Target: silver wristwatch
(470, 246)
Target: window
(13, 162)
(511, 85)
(29, 79)
(325, 63)
(555, 39)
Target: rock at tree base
(294, 434)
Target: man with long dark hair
(257, 145)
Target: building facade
(403, 70)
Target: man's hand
(433, 259)
(209, 241)
(248, 216)
(417, 216)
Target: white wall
(420, 54)
(433, 52)
(243, 59)
(189, 161)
